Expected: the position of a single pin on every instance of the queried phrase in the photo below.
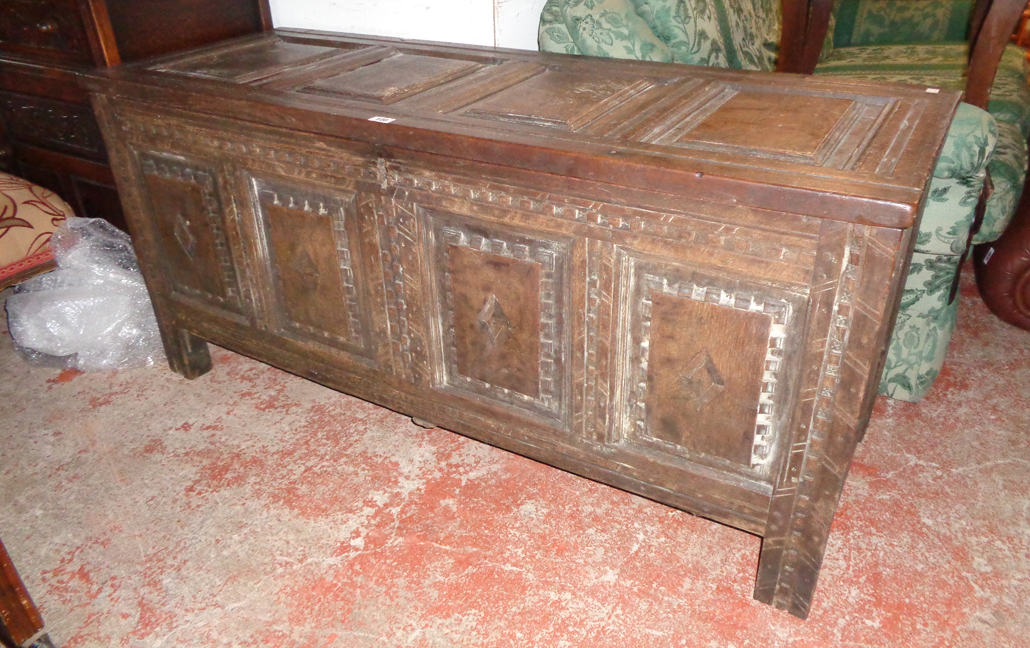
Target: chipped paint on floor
(254, 508)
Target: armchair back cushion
(897, 22)
(741, 34)
(927, 42)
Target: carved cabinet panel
(48, 132)
(501, 299)
(63, 126)
(190, 218)
(314, 263)
(50, 29)
(709, 362)
(478, 309)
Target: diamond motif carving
(305, 265)
(523, 364)
(494, 322)
(185, 236)
(184, 198)
(315, 272)
(701, 381)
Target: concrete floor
(254, 508)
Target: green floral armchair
(746, 34)
(924, 42)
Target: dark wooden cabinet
(20, 621)
(48, 133)
(675, 280)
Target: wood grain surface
(655, 276)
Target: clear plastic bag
(91, 313)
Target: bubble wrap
(93, 312)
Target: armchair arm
(1003, 273)
(793, 36)
(804, 27)
(991, 36)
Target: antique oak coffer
(675, 280)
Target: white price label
(933, 91)
(382, 120)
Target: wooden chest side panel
(850, 326)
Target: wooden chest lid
(843, 150)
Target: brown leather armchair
(1003, 271)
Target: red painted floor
(254, 508)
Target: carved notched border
(187, 172)
(783, 307)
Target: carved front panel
(314, 263)
(35, 120)
(703, 393)
(189, 217)
(707, 360)
(502, 310)
(495, 312)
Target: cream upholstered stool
(29, 214)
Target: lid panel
(825, 129)
(392, 78)
(253, 62)
(559, 99)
